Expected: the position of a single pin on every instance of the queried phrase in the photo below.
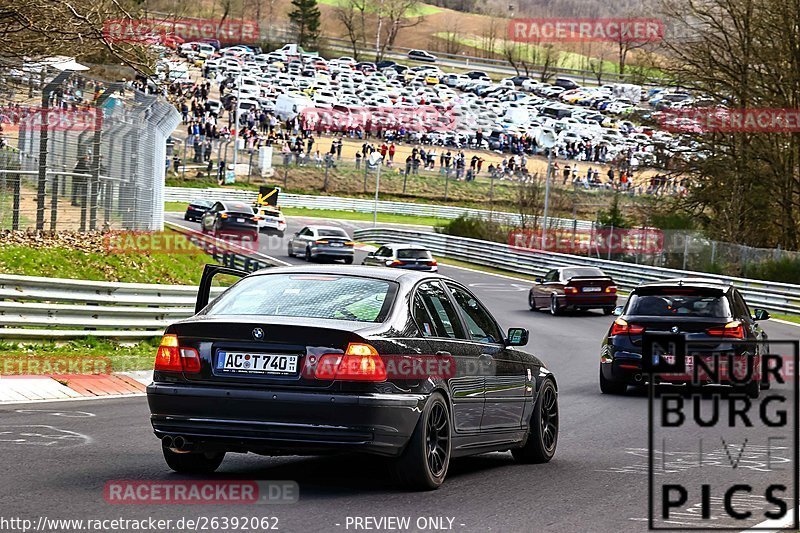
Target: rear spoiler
(590, 277)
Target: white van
(289, 106)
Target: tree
(743, 55)
(305, 17)
(613, 216)
(35, 29)
(393, 16)
(352, 15)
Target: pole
(610, 242)
(491, 195)
(546, 197)
(236, 125)
(377, 190)
(183, 172)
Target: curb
(27, 388)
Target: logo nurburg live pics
(722, 433)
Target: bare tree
(489, 37)
(452, 38)
(393, 16)
(351, 14)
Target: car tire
(280, 234)
(193, 462)
(554, 309)
(540, 447)
(608, 310)
(348, 260)
(289, 250)
(308, 255)
(186, 216)
(612, 387)
(532, 302)
(424, 462)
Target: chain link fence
(80, 154)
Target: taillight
(360, 362)
(223, 215)
(570, 290)
(320, 242)
(349, 243)
(171, 357)
(731, 330)
(621, 327)
(396, 262)
(611, 289)
(432, 263)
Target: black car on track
(712, 317)
(309, 360)
(196, 209)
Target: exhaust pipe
(180, 443)
(167, 441)
(637, 377)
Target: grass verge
(123, 357)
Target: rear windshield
(691, 305)
(332, 233)
(308, 296)
(411, 253)
(570, 273)
(239, 207)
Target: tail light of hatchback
(360, 362)
(172, 357)
(611, 289)
(621, 327)
(731, 330)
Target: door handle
(485, 358)
(443, 354)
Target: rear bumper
(627, 367)
(330, 251)
(277, 421)
(589, 300)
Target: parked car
(574, 288)
(317, 242)
(407, 256)
(309, 360)
(422, 55)
(196, 209)
(713, 316)
(270, 220)
(231, 218)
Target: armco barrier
(34, 308)
(778, 297)
(335, 203)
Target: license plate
(670, 359)
(336, 244)
(591, 289)
(257, 363)
(240, 220)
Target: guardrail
(358, 205)
(34, 308)
(778, 297)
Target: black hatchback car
(712, 317)
(230, 218)
(305, 360)
(196, 209)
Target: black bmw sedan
(310, 360)
(712, 317)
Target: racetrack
(597, 481)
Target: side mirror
(618, 311)
(761, 314)
(538, 280)
(517, 337)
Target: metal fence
(778, 297)
(334, 203)
(82, 155)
